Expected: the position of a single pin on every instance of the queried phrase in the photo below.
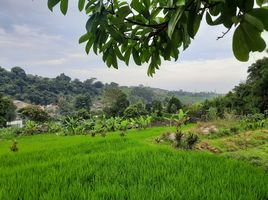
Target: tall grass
(114, 167)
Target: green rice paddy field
(114, 167)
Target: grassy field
(114, 167)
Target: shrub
(34, 113)
(30, 128)
(112, 124)
(212, 113)
(88, 125)
(99, 127)
(8, 133)
(83, 114)
(72, 126)
(253, 122)
(158, 140)
(191, 140)
(14, 146)
(54, 127)
(178, 140)
(122, 134)
(234, 130)
(93, 134)
(135, 110)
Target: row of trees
(116, 103)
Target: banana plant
(180, 119)
(123, 127)
(72, 125)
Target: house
(16, 123)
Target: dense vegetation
(7, 110)
(248, 97)
(43, 91)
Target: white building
(16, 123)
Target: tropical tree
(179, 119)
(34, 113)
(83, 102)
(118, 105)
(7, 110)
(174, 104)
(135, 110)
(157, 107)
(258, 80)
(153, 30)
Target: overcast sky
(46, 44)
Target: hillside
(43, 91)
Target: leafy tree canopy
(83, 102)
(34, 113)
(135, 110)
(174, 105)
(7, 110)
(153, 30)
(247, 98)
(41, 90)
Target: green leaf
(147, 3)
(81, 4)
(127, 55)
(52, 3)
(123, 12)
(64, 6)
(240, 47)
(180, 3)
(262, 15)
(136, 56)
(118, 53)
(253, 37)
(247, 38)
(245, 5)
(173, 21)
(193, 23)
(136, 5)
(254, 21)
(116, 35)
(91, 24)
(83, 38)
(151, 69)
(89, 45)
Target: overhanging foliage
(156, 30)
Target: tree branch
(224, 33)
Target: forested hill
(39, 90)
(43, 91)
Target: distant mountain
(149, 93)
(43, 91)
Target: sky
(45, 43)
